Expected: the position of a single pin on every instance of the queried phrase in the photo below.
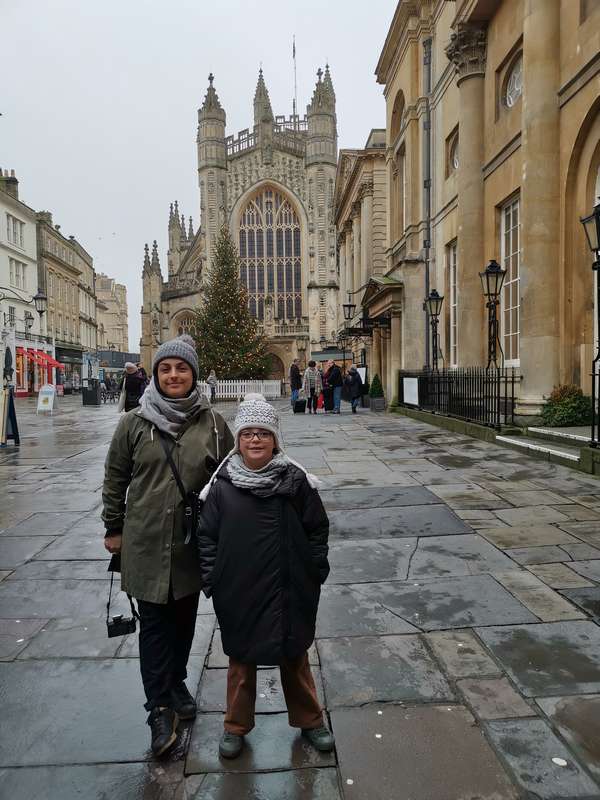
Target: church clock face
(269, 240)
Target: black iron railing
(475, 394)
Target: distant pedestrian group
(322, 389)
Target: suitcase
(300, 407)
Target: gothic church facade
(273, 185)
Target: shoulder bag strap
(174, 469)
(129, 597)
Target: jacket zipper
(285, 575)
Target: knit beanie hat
(182, 347)
(130, 368)
(255, 412)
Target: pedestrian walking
(133, 385)
(335, 382)
(312, 386)
(145, 519)
(354, 384)
(212, 383)
(295, 380)
(262, 543)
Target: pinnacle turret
(211, 107)
(323, 99)
(154, 264)
(190, 231)
(182, 235)
(328, 83)
(262, 103)
(146, 268)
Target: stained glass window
(271, 254)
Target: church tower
(212, 167)
(152, 284)
(321, 163)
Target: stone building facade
(113, 320)
(493, 151)
(273, 185)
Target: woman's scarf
(263, 482)
(170, 414)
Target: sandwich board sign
(8, 418)
(46, 398)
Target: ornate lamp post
(591, 226)
(492, 279)
(349, 309)
(433, 304)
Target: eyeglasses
(247, 436)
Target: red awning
(20, 351)
(48, 360)
(33, 356)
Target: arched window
(185, 322)
(270, 254)
(514, 82)
(396, 120)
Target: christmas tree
(228, 339)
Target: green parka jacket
(142, 501)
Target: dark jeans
(213, 395)
(312, 400)
(166, 633)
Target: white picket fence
(235, 390)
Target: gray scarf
(263, 482)
(169, 414)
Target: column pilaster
(366, 232)
(356, 244)
(468, 51)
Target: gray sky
(100, 102)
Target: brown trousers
(304, 709)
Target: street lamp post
(492, 279)
(433, 304)
(591, 226)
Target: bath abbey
(273, 185)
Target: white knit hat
(255, 412)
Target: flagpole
(295, 84)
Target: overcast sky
(99, 102)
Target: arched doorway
(276, 368)
(270, 248)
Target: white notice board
(46, 398)
(411, 391)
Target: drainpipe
(427, 186)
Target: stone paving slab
(56, 598)
(461, 654)
(72, 638)
(78, 546)
(467, 554)
(346, 611)
(543, 554)
(578, 721)
(423, 750)
(48, 523)
(60, 696)
(354, 561)
(467, 496)
(16, 550)
(536, 497)
(581, 551)
(527, 536)
(456, 602)
(269, 691)
(301, 784)
(259, 755)
(589, 569)
(385, 496)
(556, 658)
(494, 698)
(559, 576)
(97, 782)
(530, 515)
(383, 523)
(587, 600)
(541, 600)
(528, 746)
(379, 668)
(15, 635)
(62, 570)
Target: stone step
(568, 436)
(553, 451)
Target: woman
(133, 384)
(312, 386)
(262, 543)
(354, 385)
(212, 382)
(144, 517)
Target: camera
(120, 625)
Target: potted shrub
(567, 406)
(376, 395)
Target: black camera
(120, 625)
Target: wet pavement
(457, 653)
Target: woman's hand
(113, 543)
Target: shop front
(34, 367)
(69, 375)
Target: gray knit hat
(255, 412)
(182, 347)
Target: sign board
(8, 418)
(411, 391)
(60, 389)
(46, 398)
(362, 371)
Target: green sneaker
(320, 738)
(230, 745)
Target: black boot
(183, 702)
(163, 724)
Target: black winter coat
(264, 559)
(354, 383)
(334, 376)
(295, 377)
